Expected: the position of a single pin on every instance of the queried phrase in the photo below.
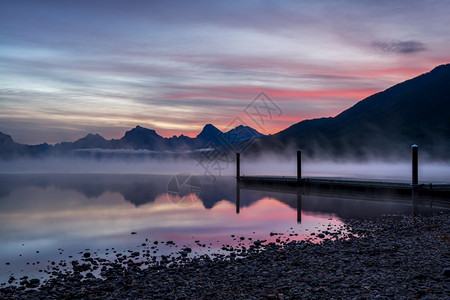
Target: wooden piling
(415, 165)
(238, 166)
(299, 164)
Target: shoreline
(392, 256)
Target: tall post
(238, 199)
(415, 165)
(299, 164)
(238, 166)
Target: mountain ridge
(137, 138)
(415, 111)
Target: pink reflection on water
(49, 219)
(222, 226)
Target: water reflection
(299, 207)
(144, 189)
(46, 218)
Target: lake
(47, 218)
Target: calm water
(45, 218)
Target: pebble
(447, 272)
(390, 257)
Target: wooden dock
(348, 185)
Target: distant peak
(140, 132)
(142, 129)
(208, 131)
(93, 135)
(138, 127)
(209, 126)
(247, 129)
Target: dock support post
(238, 199)
(415, 165)
(299, 164)
(238, 166)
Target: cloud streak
(107, 66)
(402, 47)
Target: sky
(69, 68)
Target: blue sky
(68, 68)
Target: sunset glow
(72, 68)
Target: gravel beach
(392, 257)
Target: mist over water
(429, 171)
(117, 166)
(380, 170)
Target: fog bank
(271, 166)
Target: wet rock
(391, 257)
(187, 249)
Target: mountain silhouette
(91, 140)
(241, 133)
(416, 111)
(9, 148)
(138, 138)
(143, 138)
(208, 133)
(88, 142)
(385, 124)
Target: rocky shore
(392, 257)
